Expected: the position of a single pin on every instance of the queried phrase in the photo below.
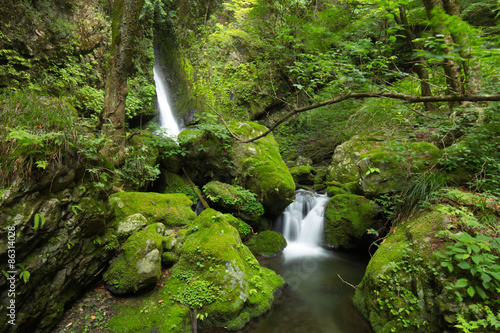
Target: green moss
(347, 218)
(139, 264)
(400, 276)
(335, 190)
(386, 169)
(213, 253)
(154, 312)
(267, 243)
(303, 174)
(233, 199)
(173, 210)
(176, 184)
(261, 168)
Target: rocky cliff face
(59, 242)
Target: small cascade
(302, 225)
(167, 120)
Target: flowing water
(167, 120)
(316, 300)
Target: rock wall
(62, 241)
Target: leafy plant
(39, 221)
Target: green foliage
(234, 196)
(138, 171)
(39, 221)
(397, 297)
(419, 192)
(25, 275)
(479, 150)
(197, 293)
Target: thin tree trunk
(124, 26)
(452, 68)
(420, 67)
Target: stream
(316, 299)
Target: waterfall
(167, 120)
(302, 225)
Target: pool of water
(316, 300)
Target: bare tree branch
(404, 97)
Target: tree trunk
(124, 26)
(452, 68)
(420, 67)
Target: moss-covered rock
(260, 168)
(347, 219)
(216, 273)
(335, 189)
(303, 175)
(402, 275)
(173, 210)
(172, 247)
(233, 199)
(131, 224)
(344, 168)
(267, 243)
(176, 184)
(385, 169)
(139, 264)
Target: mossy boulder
(173, 210)
(334, 188)
(176, 184)
(267, 243)
(260, 168)
(233, 199)
(216, 274)
(205, 155)
(172, 247)
(402, 275)
(385, 169)
(131, 224)
(303, 175)
(343, 168)
(138, 266)
(347, 219)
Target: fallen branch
(346, 282)
(392, 95)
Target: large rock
(61, 243)
(260, 168)
(173, 210)
(386, 169)
(256, 166)
(233, 199)
(138, 266)
(347, 219)
(399, 276)
(303, 175)
(343, 168)
(267, 243)
(435, 271)
(216, 274)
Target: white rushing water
(302, 223)
(167, 120)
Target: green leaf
(461, 283)
(481, 292)
(464, 265)
(471, 291)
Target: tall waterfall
(302, 225)
(167, 120)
